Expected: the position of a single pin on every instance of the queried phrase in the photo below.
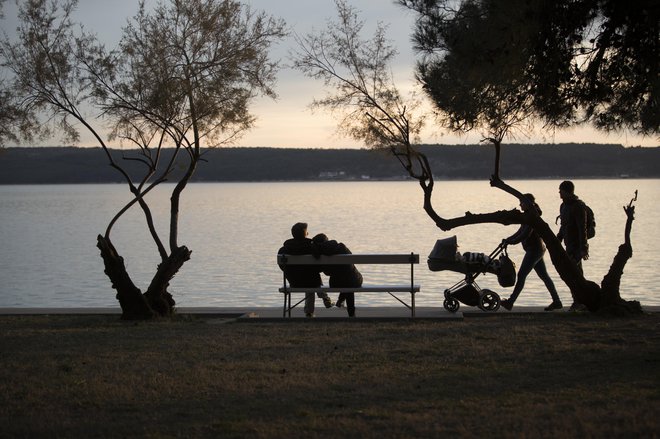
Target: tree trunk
(603, 298)
(583, 290)
(133, 304)
(611, 300)
(159, 299)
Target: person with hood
(340, 275)
(533, 259)
(303, 275)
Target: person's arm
(560, 233)
(523, 233)
(327, 248)
(316, 249)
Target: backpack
(591, 221)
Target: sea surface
(49, 256)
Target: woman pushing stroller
(533, 259)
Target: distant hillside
(42, 165)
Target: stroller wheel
(451, 304)
(489, 300)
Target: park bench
(357, 259)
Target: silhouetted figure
(303, 275)
(533, 259)
(340, 275)
(573, 227)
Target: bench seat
(355, 259)
(363, 289)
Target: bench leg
(287, 304)
(412, 301)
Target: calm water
(50, 259)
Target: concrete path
(261, 313)
(256, 314)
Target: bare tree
(184, 74)
(364, 98)
(371, 109)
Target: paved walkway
(257, 314)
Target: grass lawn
(506, 375)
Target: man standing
(303, 275)
(573, 228)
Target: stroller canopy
(445, 249)
(444, 256)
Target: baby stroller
(445, 257)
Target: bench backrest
(409, 258)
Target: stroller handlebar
(501, 247)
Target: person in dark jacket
(303, 275)
(340, 275)
(533, 259)
(573, 226)
(573, 229)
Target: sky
(288, 121)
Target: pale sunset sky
(288, 121)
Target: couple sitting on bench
(310, 275)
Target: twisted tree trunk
(133, 304)
(157, 296)
(583, 290)
(157, 301)
(611, 300)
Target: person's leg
(340, 300)
(528, 262)
(310, 298)
(350, 304)
(574, 255)
(327, 301)
(542, 272)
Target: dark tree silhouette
(564, 62)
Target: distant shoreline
(70, 165)
(330, 181)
